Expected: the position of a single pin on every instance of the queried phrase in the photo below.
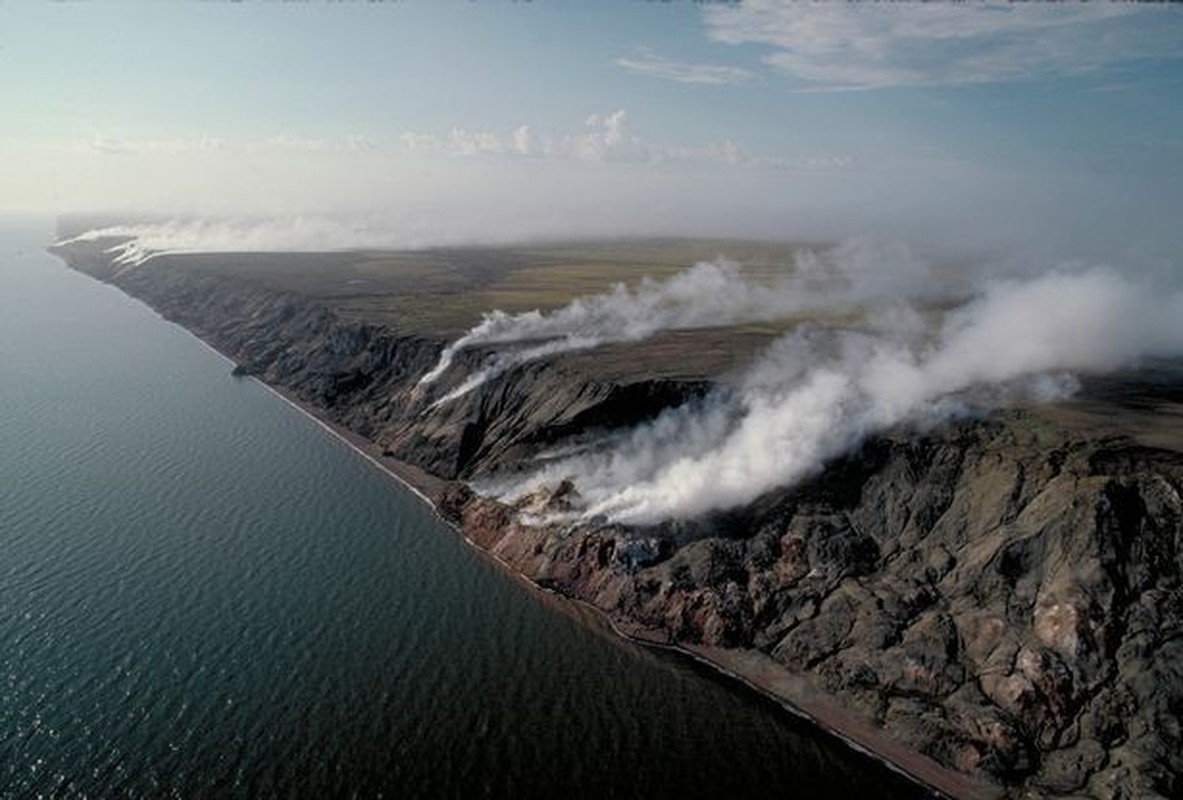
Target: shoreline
(752, 670)
(888, 600)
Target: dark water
(203, 594)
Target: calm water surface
(202, 593)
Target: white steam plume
(414, 228)
(816, 395)
(280, 234)
(708, 294)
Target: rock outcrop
(1001, 595)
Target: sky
(963, 123)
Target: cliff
(994, 603)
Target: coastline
(928, 554)
(752, 670)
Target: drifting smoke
(140, 243)
(709, 294)
(816, 394)
(412, 229)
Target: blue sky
(758, 118)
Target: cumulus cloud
(460, 142)
(884, 45)
(606, 138)
(357, 143)
(526, 142)
(654, 66)
(818, 392)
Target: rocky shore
(992, 604)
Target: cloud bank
(609, 138)
(605, 137)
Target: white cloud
(475, 144)
(608, 138)
(882, 45)
(357, 143)
(459, 142)
(421, 142)
(604, 138)
(655, 66)
(526, 142)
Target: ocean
(205, 594)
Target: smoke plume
(141, 242)
(817, 393)
(709, 294)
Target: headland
(990, 602)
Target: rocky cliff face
(1002, 595)
(997, 596)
